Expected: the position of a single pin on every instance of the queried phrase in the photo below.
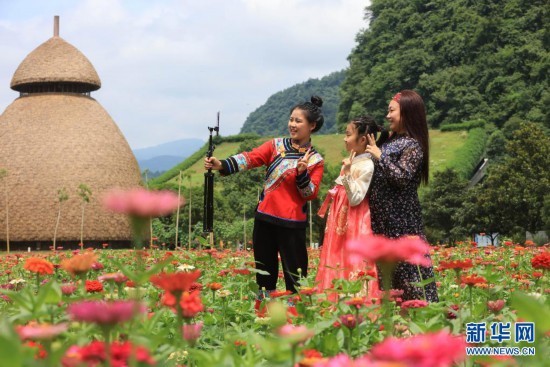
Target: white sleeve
(357, 183)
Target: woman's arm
(357, 184)
(308, 181)
(405, 170)
(260, 156)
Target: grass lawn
(443, 146)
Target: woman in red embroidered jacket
(294, 173)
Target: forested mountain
(272, 117)
(482, 59)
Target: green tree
(85, 193)
(468, 59)
(62, 196)
(511, 199)
(441, 205)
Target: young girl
(294, 173)
(349, 213)
(401, 164)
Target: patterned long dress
(395, 208)
(348, 218)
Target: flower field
(119, 307)
(151, 307)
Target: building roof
(55, 61)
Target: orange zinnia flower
(214, 286)
(175, 283)
(79, 264)
(39, 266)
(471, 280)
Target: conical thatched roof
(55, 61)
(51, 139)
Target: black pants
(271, 240)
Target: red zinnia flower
(40, 353)
(471, 280)
(453, 311)
(93, 286)
(541, 261)
(456, 264)
(39, 266)
(94, 354)
(175, 283)
(277, 294)
(190, 303)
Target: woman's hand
(302, 162)
(346, 163)
(372, 148)
(212, 163)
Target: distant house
(483, 239)
(479, 172)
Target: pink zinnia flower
(191, 332)
(423, 350)
(116, 277)
(385, 250)
(105, 313)
(350, 320)
(68, 289)
(496, 306)
(41, 331)
(414, 303)
(295, 334)
(94, 354)
(142, 203)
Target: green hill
(444, 147)
(485, 59)
(271, 118)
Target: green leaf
(10, 347)
(530, 309)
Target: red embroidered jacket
(283, 199)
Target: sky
(168, 66)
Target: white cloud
(168, 66)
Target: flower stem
(107, 336)
(423, 287)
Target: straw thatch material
(50, 141)
(55, 61)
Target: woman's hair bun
(317, 101)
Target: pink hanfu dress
(348, 218)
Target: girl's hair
(413, 119)
(366, 125)
(312, 111)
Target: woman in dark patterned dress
(401, 163)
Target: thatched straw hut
(54, 136)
